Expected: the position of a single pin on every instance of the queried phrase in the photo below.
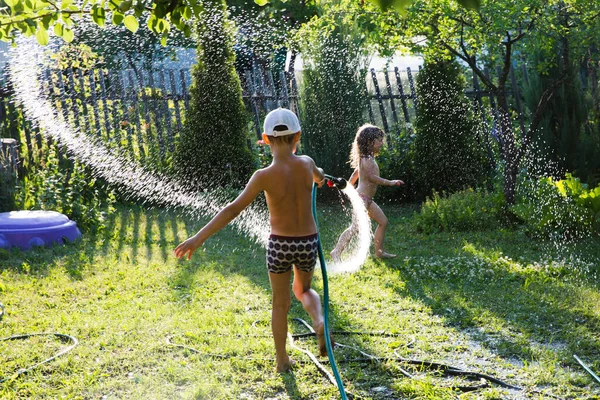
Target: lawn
(497, 303)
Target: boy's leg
(312, 304)
(376, 213)
(280, 287)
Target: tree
(449, 155)
(332, 88)
(490, 37)
(213, 150)
(37, 17)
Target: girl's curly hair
(363, 143)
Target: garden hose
(334, 368)
(587, 369)
(61, 336)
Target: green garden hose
(334, 368)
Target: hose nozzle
(339, 183)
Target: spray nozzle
(339, 183)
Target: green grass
(496, 303)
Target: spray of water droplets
(138, 183)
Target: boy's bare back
(287, 184)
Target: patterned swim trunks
(284, 251)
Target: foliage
(331, 92)
(559, 210)
(262, 31)
(559, 138)
(70, 191)
(123, 49)
(40, 16)
(396, 161)
(448, 150)
(490, 37)
(213, 145)
(76, 56)
(452, 298)
(401, 5)
(8, 181)
(466, 210)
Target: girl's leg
(312, 304)
(280, 286)
(377, 214)
(343, 242)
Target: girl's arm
(371, 172)
(223, 218)
(353, 177)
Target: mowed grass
(497, 303)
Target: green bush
(466, 210)
(332, 97)
(7, 187)
(558, 140)
(70, 191)
(558, 210)
(213, 146)
(396, 161)
(449, 155)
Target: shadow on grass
(514, 311)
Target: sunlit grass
(493, 302)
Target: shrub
(448, 153)
(70, 191)
(7, 186)
(332, 96)
(395, 161)
(466, 210)
(558, 210)
(213, 144)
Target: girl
(367, 143)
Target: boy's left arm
(224, 217)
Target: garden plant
(494, 293)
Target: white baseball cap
(284, 120)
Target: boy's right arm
(224, 217)
(318, 175)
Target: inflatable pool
(26, 229)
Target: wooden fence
(143, 111)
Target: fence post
(283, 93)
(411, 83)
(391, 96)
(83, 100)
(402, 95)
(126, 123)
(134, 104)
(105, 104)
(166, 110)
(253, 95)
(380, 101)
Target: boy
(293, 243)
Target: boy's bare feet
(320, 330)
(285, 365)
(383, 254)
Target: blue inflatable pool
(26, 229)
